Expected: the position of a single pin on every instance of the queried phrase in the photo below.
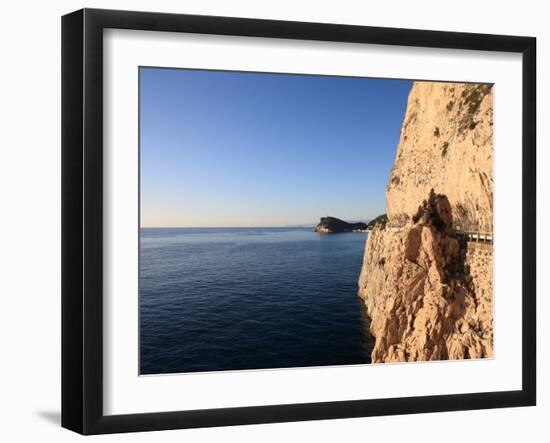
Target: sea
(218, 299)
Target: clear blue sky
(249, 149)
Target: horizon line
(299, 225)
(290, 225)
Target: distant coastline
(333, 225)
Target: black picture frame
(82, 218)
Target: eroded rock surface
(446, 143)
(428, 291)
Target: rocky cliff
(428, 290)
(446, 143)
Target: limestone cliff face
(428, 290)
(446, 143)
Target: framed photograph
(268, 221)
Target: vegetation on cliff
(381, 221)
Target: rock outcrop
(329, 225)
(424, 300)
(446, 143)
(428, 290)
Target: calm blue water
(227, 299)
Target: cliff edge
(427, 288)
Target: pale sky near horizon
(225, 149)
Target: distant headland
(332, 225)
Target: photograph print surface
(304, 220)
